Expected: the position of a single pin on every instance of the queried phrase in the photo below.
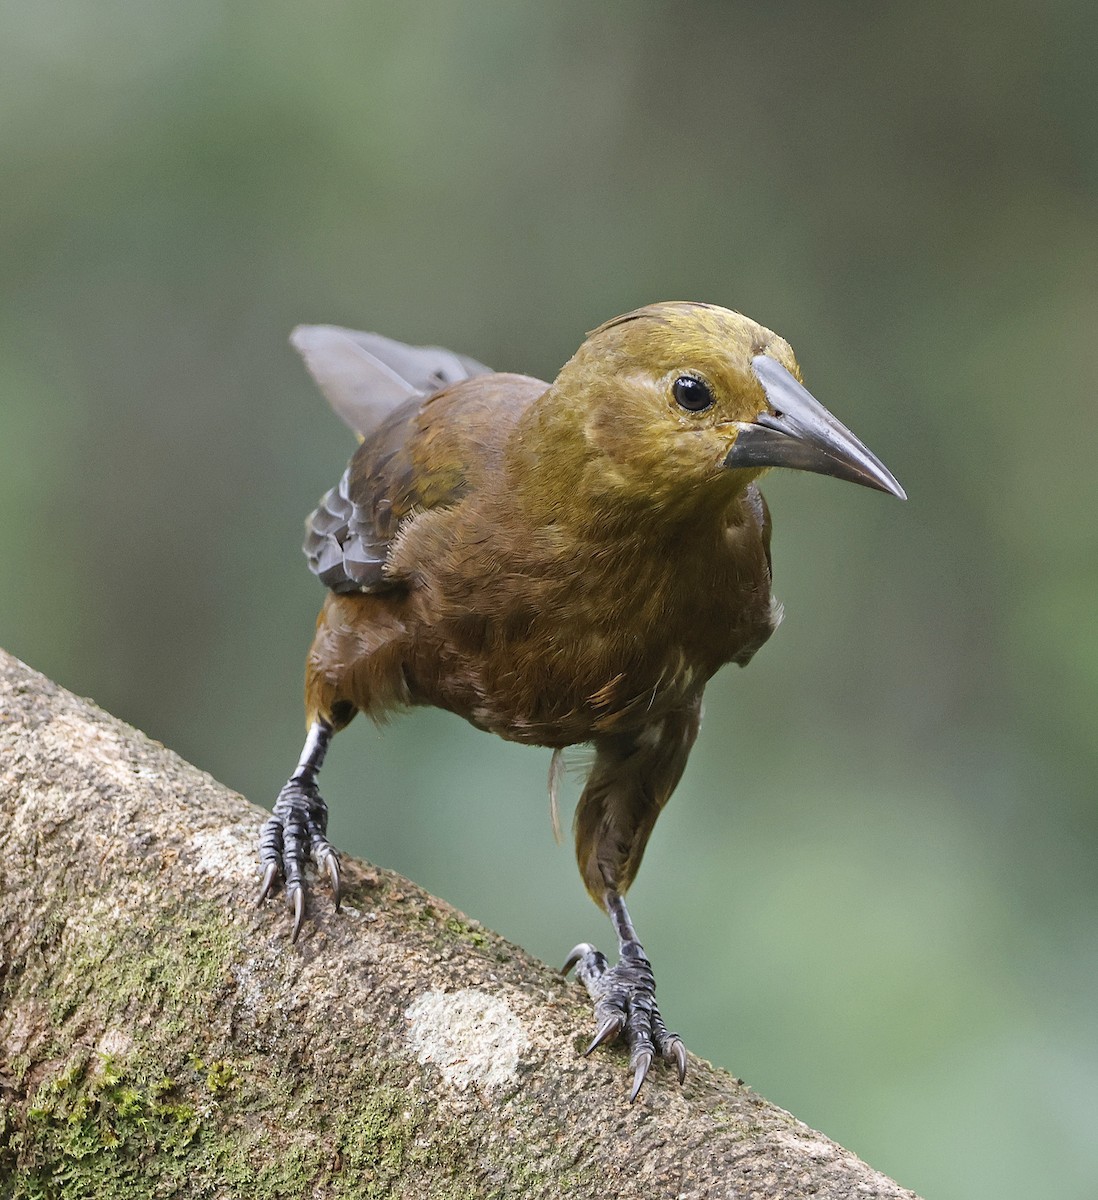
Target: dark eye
(692, 393)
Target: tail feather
(365, 376)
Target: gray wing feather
(366, 376)
(339, 545)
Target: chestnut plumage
(557, 563)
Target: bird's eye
(692, 393)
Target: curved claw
(644, 1061)
(296, 831)
(266, 886)
(299, 912)
(607, 1032)
(676, 1053)
(625, 1006)
(331, 865)
(577, 953)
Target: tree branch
(160, 1036)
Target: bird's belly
(558, 664)
(560, 713)
(566, 689)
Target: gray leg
(625, 998)
(296, 830)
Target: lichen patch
(114, 1043)
(226, 853)
(472, 1037)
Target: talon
(331, 864)
(299, 913)
(644, 1061)
(676, 1053)
(266, 886)
(578, 952)
(625, 1007)
(295, 832)
(608, 1031)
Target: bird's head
(675, 399)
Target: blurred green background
(873, 894)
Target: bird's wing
(366, 376)
(426, 454)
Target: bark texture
(159, 1036)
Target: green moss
(394, 1144)
(374, 1143)
(172, 1110)
(288, 1175)
(89, 1131)
(220, 1077)
(19, 1066)
(93, 1128)
(173, 972)
(465, 931)
(108, 1128)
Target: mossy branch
(161, 1037)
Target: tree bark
(160, 1036)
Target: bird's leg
(297, 829)
(625, 998)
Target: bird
(560, 564)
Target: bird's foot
(292, 834)
(625, 1006)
